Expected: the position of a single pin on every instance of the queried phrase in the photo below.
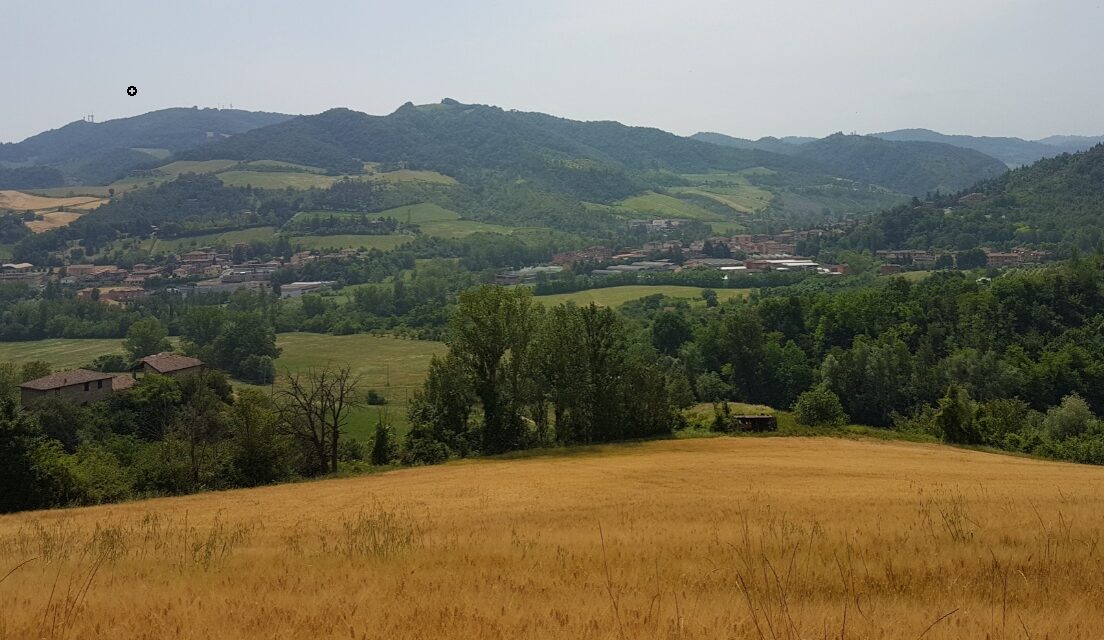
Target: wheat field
(711, 538)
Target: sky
(1023, 68)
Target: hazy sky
(770, 67)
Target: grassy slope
(230, 237)
(435, 220)
(395, 367)
(616, 296)
(61, 353)
(684, 539)
(275, 179)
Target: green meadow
(394, 367)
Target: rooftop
(165, 362)
(66, 379)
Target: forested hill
(1015, 152)
(99, 152)
(587, 158)
(908, 167)
(786, 145)
(169, 129)
(1058, 202)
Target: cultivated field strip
(714, 538)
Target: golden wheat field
(20, 201)
(712, 538)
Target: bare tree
(314, 407)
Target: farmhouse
(167, 364)
(80, 386)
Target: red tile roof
(166, 362)
(122, 382)
(65, 379)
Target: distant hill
(36, 177)
(787, 145)
(462, 139)
(1056, 201)
(908, 167)
(1014, 152)
(91, 151)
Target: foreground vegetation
(743, 538)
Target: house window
(99, 384)
(86, 386)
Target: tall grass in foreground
(719, 538)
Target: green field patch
(71, 192)
(383, 243)
(658, 205)
(279, 165)
(617, 296)
(435, 220)
(275, 179)
(196, 166)
(160, 154)
(173, 245)
(5, 251)
(408, 175)
(60, 353)
(394, 367)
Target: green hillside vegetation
(617, 296)
(175, 245)
(1015, 152)
(172, 129)
(275, 179)
(1058, 202)
(393, 367)
(911, 167)
(437, 221)
(907, 167)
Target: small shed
(755, 423)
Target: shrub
(819, 407)
(257, 369)
(375, 398)
(383, 451)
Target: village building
(299, 289)
(79, 386)
(590, 254)
(528, 275)
(167, 364)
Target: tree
(440, 414)
(19, 441)
(1071, 418)
(146, 337)
(247, 333)
(198, 421)
(383, 451)
(314, 407)
(710, 296)
(971, 259)
(490, 333)
(956, 417)
(155, 399)
(35, 369)
(669, 331)
(819, 407)
(258, 451)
